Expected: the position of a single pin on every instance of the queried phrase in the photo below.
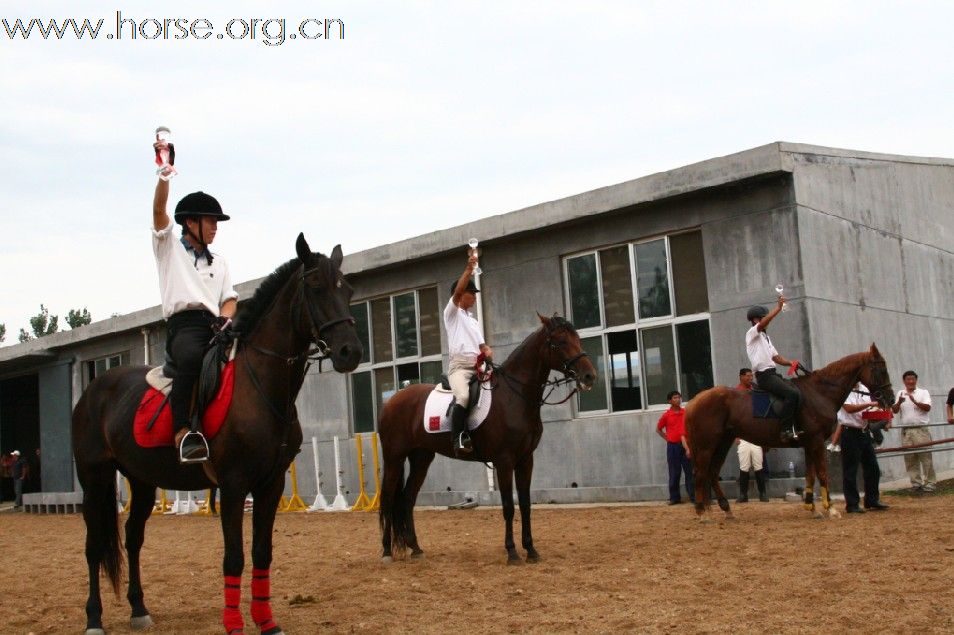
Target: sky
(425, 115)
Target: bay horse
(303, 303)
(717, 416)
(507, 437)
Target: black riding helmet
(756, 312)
(470, 288)
(198, 204)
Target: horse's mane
(839, 366)
(556, 322)
(252, 311)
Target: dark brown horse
(507, 437)
(303, 303)
(715, 417)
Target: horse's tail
(394, 513)
(100, 507)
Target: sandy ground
(604, 569)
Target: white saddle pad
(157, 380)
(435, 410)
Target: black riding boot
(462, 445)
(743, 488)
(760, 482)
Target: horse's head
(565, 352)
(325, 296)
(874, 375)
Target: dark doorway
(20, 426)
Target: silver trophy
(472, 243)
(165, 154)
(778, 289)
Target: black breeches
(189, 335)
(774, 383)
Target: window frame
(672, 320)
(372, 366)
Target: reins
(568, 377)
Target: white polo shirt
(186, 282)
(854, 419)
(464, 335)
(911, 414)
(760, 349)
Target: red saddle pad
(161, 432)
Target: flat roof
(773, 158)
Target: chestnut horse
(303, 303)
(717, 416)
(507, 437)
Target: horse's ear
(304, 251)
(543, 319)
(874, 351)
(337, 256)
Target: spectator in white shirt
(856, 448)
(914, 404)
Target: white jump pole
(340, 504)
(320, 504)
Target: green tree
(43, 323)
(3, 332)
(24, 336)
(78, 318)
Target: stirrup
(463, 445)
(204, 452)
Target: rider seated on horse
(465, 341)
(764, 357)
(197, 300)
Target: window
(402, 339)
(97, 367)
(642, 312)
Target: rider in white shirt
(764, 357)
(197, 299)
(465, 341)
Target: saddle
(765, 405)
(473, 392)
(152, 425)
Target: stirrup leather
(201, 437)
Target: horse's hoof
(387, 560)
(833, 513)
(729, 516)
(533, 558)
(141, 622)
(417, 555)
(819, 516)
(274, 631)
(95, 631)
(513, 558)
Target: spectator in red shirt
(672, 428)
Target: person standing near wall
(950, 406)
(672, 429)
(914, 404)
(20, 473)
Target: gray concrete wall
(876, 237)
(55, 440)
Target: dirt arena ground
(604, 569)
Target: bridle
(316, 353)
(877, 392)
(569, 375)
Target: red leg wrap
(261, 600)
(231, 615)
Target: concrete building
(656, 273)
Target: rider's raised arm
(464, 278)
(764, 322)
(160, 218)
